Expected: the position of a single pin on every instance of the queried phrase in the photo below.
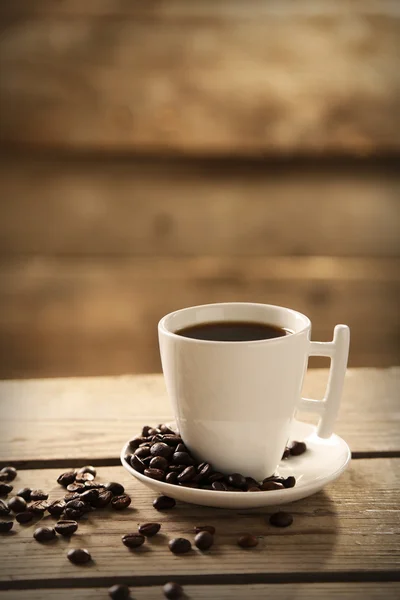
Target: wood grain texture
(248, 79)
(183, 208)
(86, 419)
(351, 527)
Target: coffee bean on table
(247, 541)
(117, 489)
(75, 487)
(6, 526)
(25, 493)
(72, 514)
(77, 505)
(161, 449)
(119, 591)
(154, 474)
(187, 474)
(71, 496)
(88, 469)
(24, 517)
(44, 534)
(159, 462)
(17, 504)
(219, 486)
(237, 480)
(204, 540)
(250, 482)
(66, 478)
(38, 508)
(5, 489)
(90, 496)
(38, 495)
(289, 482)
(269, 486)
(179, 545)
(281, 519)
(209, 528)
(4, 509)
(297, 448)
(164, 503)
(103, 499)
(133, 540)
(182, 458)
(149, 529)
(56, 508)
(120, 502)
(84, 477)
(9, 472)
(79, 556)
(173, 591)
(66, 527)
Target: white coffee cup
(234, 401)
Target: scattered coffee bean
(44, 534)
(38, 508)
(154, 474)
(149, 529)
(164, 503)
(24, 517)
(159, 462)
(179, 545)
(4, 510)
(71, 496)
(88, 469)
(172, 590)
(237, 480)
(6, 526)
(9, 472)
(56, 508)
(142, 452)
(83, 477)
(133, 540)
(17, 504)
(137, 464)
(289, 482)
(204, 540)
(67, 478)
(38, 495)
(75, 487)
(66, 527)
(182, 458)
(247, 541)
(120, 502)
(103, 499)
(281, 519)
(117, 489)
(187, 474)
(25, 493)
(297, 448)
(90, 496)
(269, 486)
(219, 486)
(119, 591)
(5, 489)
(209, 528)
(161, 449)
(172, 478)
(79, 556)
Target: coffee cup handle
(338, 351)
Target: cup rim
(162, 328)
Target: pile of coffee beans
(159, 453)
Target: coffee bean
(84, 477)
(56, 508)
(103, 499)
(149, 529)
(92, 485)
(187, 474)
(9, 472)
(164, 503)
(204, 540)
(44, 534)
(247, 541)
(145, 431)
(172, 478)
(120, 502)
(38, 495)
(38, 508)
(161, 449)
(136, 441)
(179, 545)
(153, 431)
(71, 496)
(6, 526)
(219, 486)
(4, 510)
(133, 540)
(297, 448)
(137, 464)
(24, 517)
(66, 478)
(88, 469)
(271, 478)
(253, 489)
(79, 556)
(209, 528)
(172, 590)
(117, 489)
(90, 496)
(205, 471)
(190, 484)
(286, 453)
(25, 493)
(5, 489)
(181, 448)
(182, 458)
(237, 480)
(75, 487)
(176, 468)
(119, 591)
(142, 452)
(154, 474)
(66, 527)
(289, 482)
(281, 519)
(268, 486)
(172, 440)
(3, 477)
(216, 477)
(251, 482)
(72, 514)
(159, 462)
(166, 430)
(17, 504)
(148, 459)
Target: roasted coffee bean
(24, 517)
(88, 469)
(38, 508)
(5, 489)
(3, 477)
(172, 478)
(75, 487)
(56, 508)
(145, 445)
(84, 477)
(66, 478)
(216, 477)
(76, 505)
(179, 545)
(181, 448)
(44, 534)
(154, 474)
(289, 482)
(117, 489)
(190, 484)
(25, 493)
(17, 504)
(119, 591)
(161, 449)
(38, 495)
(250, 482)
(281, 519)
(176, 468)
(204, 540)
(136, 441)
(269, 486)
(90, 496)
(145, 431)
(237, 480)
(142, 452)
(182, 458)
(172, 440)
(6, 526)
(104, 498)
(133, 540)
(71, 496)
(173, 591)
(120, 502)
(187, 474)
(164, 503)
(204, 472)
(92, 485)
(271, 478)
(149, 529)
(219, 486)
(9, 472)
(253, 489)
(286, 453)
(247, 541)
(297, 448)
(137, 464)
(4, 510)
(79, 556)
(159, 462)
(209, 528)
(148, 460)
(166, 430)
(71, 514)
(66, 527)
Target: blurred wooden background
(161, 154)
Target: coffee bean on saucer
(253, 489)
(25, 493)
(159, 462)
(269, 486)
(148, 459)
(66, 527)
(66, 478)
(119, 591)
(182, 458)
(6, 526)
(10, 473)
(56, 508)
(286, 453)
(164, 503)
(133, 540)
(149, 529)
(38, 495)
(75, 487)
(205, 471)
(4, 509)
(17, 504)
(142, 452)
(237, 480)
(145, 431)
(181, 448)
(38, 508)
(215, 477)
(161, 449)
(172, 590)
(172, 478)
(79, 556)
(187, 474)
(104, 498)
(289, 482)
(5, 489)
(179, 545)
(44, 534)
(117, 489)
(204, 540)
(219, 486)
(297, 448)
(247, 541)
(176, 468)
(136, 441)
(209, 528)
(24, 517)
(172, 440)
(154, 474)
(137, 464)
(120, 502)
(281, 519)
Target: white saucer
(323, 462)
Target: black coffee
(233, 331)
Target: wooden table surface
(344, 541)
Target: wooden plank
(148, 207)
(242, 80)
(90, 419)
(333, 525)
